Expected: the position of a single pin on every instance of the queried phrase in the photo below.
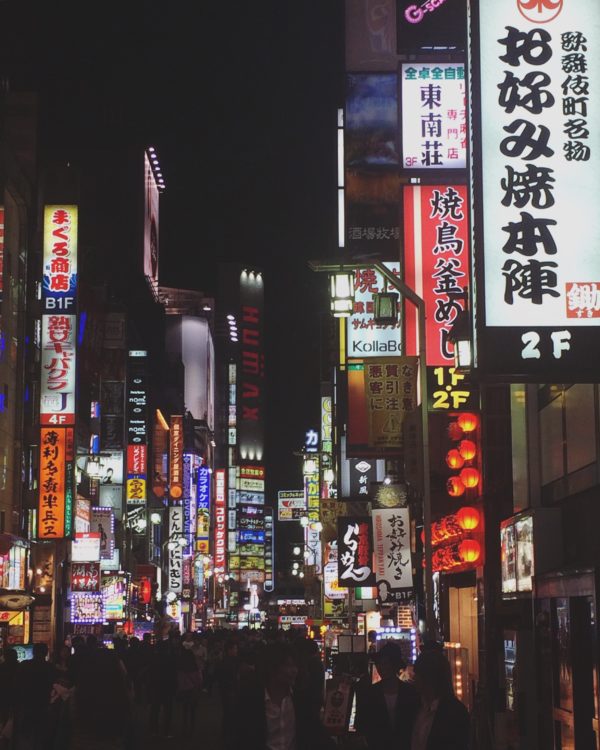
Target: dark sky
(240, 100)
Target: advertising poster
(371, 120)
(391, 542)
(436, 261)
(365, 337)
(86, 607)
(391, 392)
(85, 547)
(114, 590)
(539, 304)
(103, 523)
(291, 505)
(434, 116)
(355, 552)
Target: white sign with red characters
(57, 396)
(220, 520)
(59, 288)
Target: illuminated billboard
(55, 499)
(250, 385)
(150, 224)
(371, 134)
(436, 261)
(434, 116)
(539, 174)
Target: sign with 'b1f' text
(537, 67)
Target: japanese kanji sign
(355, 552)
(175, 551)
(57, 388)
(391, 392)
(434, 116)
(137, 430)
(59, 288)
(220, 520)
(203, 502)
(176, 457)
(365, 337)
(55, 502)
(436, 256)
(539, 78)
(85, 576)
(391, 543)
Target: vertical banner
(434, 116)
(176, 458)
(436, 256)
(538, 72)
(103, 523)
(220, 520)
(391, 543)
(137, 429)
(175, 555)
(311, 491)
(52, 492)
(189, 498)
(269, 583)
(203, 510)
(355, 552)
(391, 392)
(250, 385)
(150, 224)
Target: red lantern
(468, 518)
(467, 449)
(145, 591)
(454, 459)
(128, 627)
(469, 477)
(455, 487)
(454, 431)
(468, 422)
(469, 551)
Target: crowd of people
(269, 686)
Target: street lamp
(342, 292)
(334, 269)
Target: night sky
(240, 101)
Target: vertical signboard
(434, 116)
(250, 401)
(203, 510)
(137, 429)
(150, 224)
(269, 582)
(355, 552)
(436, 255)
(189, 498)
(391, 543)
(103, 523)
(55, 501)
(537, 66)
(175, 551)
(176, 458)
(365, 337)
(391, 392)
(220, 520)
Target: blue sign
(252, 537)
(203, 494)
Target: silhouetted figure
(35, 678)
(161, 685)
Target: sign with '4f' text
(539, 75)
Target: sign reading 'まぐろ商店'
(537, 67)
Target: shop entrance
(568, 667)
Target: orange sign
(52, 497)
(176, 458)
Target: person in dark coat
(269, 714)
(443, 721)
(386, 710)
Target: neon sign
(416, 13)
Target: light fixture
(318, 526)
(294, 572)
(304, 521)
(342, 293)
(295, 566)
(329, 475)
(385, 308)
(296, 550)
(155, 518)
(171, 544)
(141, 524)
(171, 596)
(460, 336)
(206, 308)
(301, 574)
(182, 541)
(309, 466)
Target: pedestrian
(189, 682)
(226, 680)
(161, 684)
(443, 721)
(386, 710)
(270, 715)
(35, 678)
(101, 710)
(8, 677)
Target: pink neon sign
(416, 13)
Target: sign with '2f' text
(539, 71)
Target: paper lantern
(468, 518)
(454, 431)
(128, 627)
(469, 477)
(468, 422)
(455, 487)
(469, 551)
(454, 459)
(467, 449)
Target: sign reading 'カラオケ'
(539, 74)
